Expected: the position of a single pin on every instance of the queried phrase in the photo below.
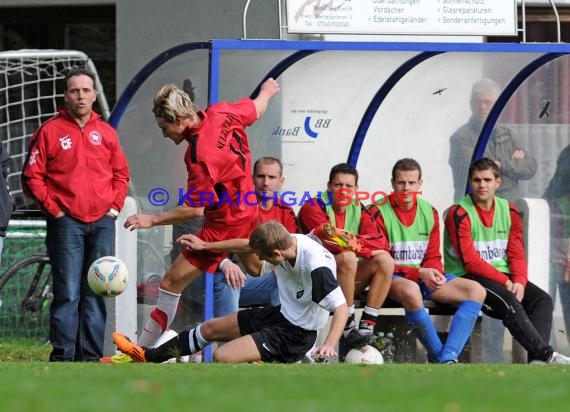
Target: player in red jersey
(411, 225)
(367, 264)
(219, 166)
(484, 242)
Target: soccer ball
(108, 276)
(368, 355)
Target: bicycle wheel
(26, 291)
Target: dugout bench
(407, 349)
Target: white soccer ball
(108, 276)
(368, 355)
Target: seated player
(308, 290)
(411, 226)
(369, 265)
(484, 242)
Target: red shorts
(207, 260)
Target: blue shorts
(426, 292)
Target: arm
(339, 318)
(177, 215)
(515, 249)
(519, 165)
(34, 174)
(121, 176)
(311, 216)
(268, 89)
(230, 245)
(458, 226)
(370, 235)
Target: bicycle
(26, 292)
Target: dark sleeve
(324, 283)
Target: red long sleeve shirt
(312, 214)
(458, 226)
(432, 258)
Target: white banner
(418, 17)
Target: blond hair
(171, 102)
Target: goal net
(31, 90)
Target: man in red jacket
(484, 242)
(78, 173)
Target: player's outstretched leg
(124, 344)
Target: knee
(412, 297)
(346, 263)
(384, 263)
(547, 303)
(477, 293)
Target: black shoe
(354, 340)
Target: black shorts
(277, 339)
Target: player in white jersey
(308, 290)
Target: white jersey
(309, 291)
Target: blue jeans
(225, 297)
(77, 315)
(259, 290)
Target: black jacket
(6, 201)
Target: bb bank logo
(311, 126)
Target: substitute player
(484, 242)
(219, 165)
(411, 225)
(369, 265)
(308, 290)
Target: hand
(138, 221)
(432, 278)
(192, 242)
(325, 350)
(233, 275)
(518, 290)
(270, 87)
(60, 214)
(518, 154)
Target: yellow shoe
(120, 358)
(125, 345)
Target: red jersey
(280, 213)
(313, 213)
(80, 171)
(458, 226)
(219, 165)
(432, 258)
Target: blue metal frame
(306, 48)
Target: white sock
(160, 318)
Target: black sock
(174, 348)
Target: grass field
(27, 385)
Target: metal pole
(557, 20)
(245, 19)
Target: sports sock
(195, 340)
(172, 348)
(423, 328)
(350, 322)
(160, 317)
(368, 320)
(460, 329)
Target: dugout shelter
(368, 104)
